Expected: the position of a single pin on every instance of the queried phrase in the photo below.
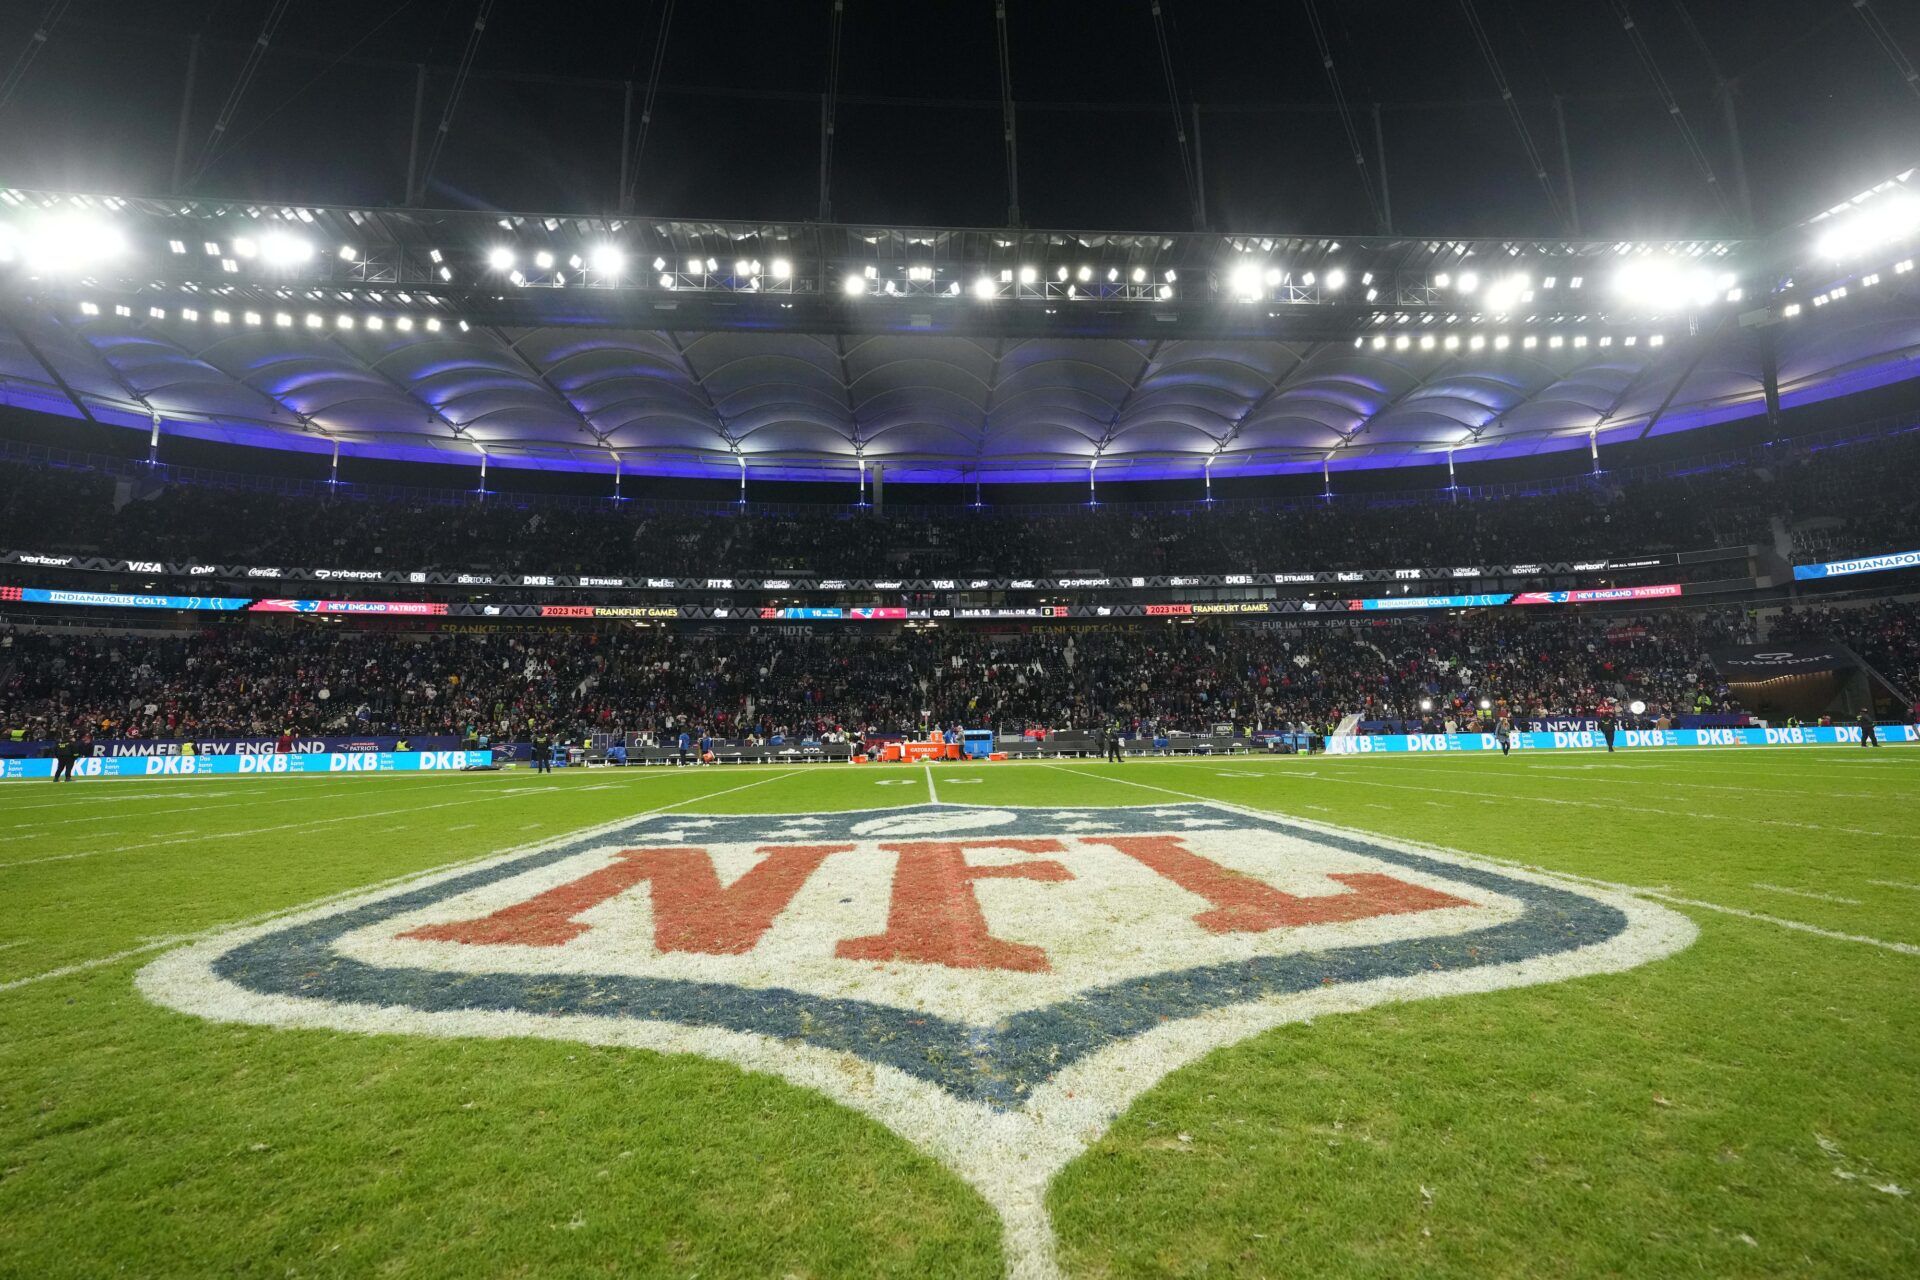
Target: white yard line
(1895, 884)
(1806, 893)
(208, 932)
(933, 797)
(1518, 798)
(1801, 926)
(284, 826)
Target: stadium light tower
(500, 258)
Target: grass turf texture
(1696, 1115)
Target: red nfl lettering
(691, 912)
(935, 918)
(1242, 904)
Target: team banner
(402, 608)
(119, 600)
(1624, 739)
(1596, 594)
(304, 763)
(1861, 564)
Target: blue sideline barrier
(1624, 739)
(266, 764)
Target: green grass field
(1748, 1106)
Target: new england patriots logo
(995, 984)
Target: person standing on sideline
(1504, 731)
(1113, 742)
(63, 754)
(686, 744)
(1869, 735)
(542, 752)
(1608, 723)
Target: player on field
(1113, 742)
(1608, 723)
(63, 754)
(1503, 730)
(1869, 736)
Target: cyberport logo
(996, 985)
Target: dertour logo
(994, 984)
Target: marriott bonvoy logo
(994, 984)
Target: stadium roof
(802, 350)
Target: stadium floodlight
(543, 260)
(1336, 280)
(659, 264)
(1274, 276)
(1503, 295)
(855, 285)
(1245, 280)
(782, 269)
(1084, 274)
(314, 321)
(693, 266)
(1139, 275)
(433, 325)
(1061, 275)
(1442, 280)
(608, 259)
(1468, 281)
(69, 242)
(244, 247)
(222, 317)
(1881, 220)
(500, 258)
(278, 249)
(348, 253)
(1668, 284)
(983, 288)
(281, 320)
(1028, 275)
(740, 267)
(1166, 291)
(666, 280)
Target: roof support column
(186, 115)
(1380, 149)
(1736, 154)
(413, 136)
(1199, 175)
(1566, 164)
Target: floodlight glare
(1469, 281)
(1667, 284)
(279, 249)
(1028, 275)
(1245, 280)
(500, 258)
(854, 285)
(543, 260)
(1882, 220)
(608, 259)
(70, 242)
(782, 269)
(1336, 280)
(983, 288)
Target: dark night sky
(736, 130)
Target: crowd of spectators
(1886, 635)
(1848, 499)
(257, 679)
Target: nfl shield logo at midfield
(994, 984)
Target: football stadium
(620, 654)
